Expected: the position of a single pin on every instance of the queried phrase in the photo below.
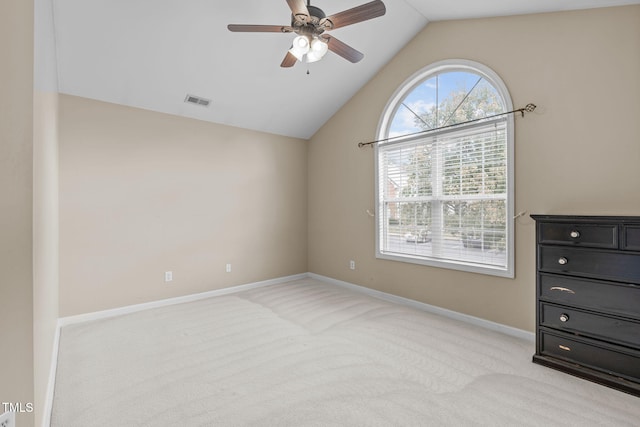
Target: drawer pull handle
(559, 288)
(574, 234)
(564, 317)
(564, 347)
(563, 261)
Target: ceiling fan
(310, 24)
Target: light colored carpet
(307, 353)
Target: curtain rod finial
(529, 108)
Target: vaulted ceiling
(152, 53)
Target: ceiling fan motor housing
(315, 25)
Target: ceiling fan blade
(288, 61)
(342, 49)
(239, 28)
(299, 10)
(360, 13)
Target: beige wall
(16, 147)
(577, 154)
(142, 193)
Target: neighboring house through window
(445, 197)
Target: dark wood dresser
(588, 298)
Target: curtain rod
(527, 109)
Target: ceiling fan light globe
(319, 47)
(301, 43)
(313, 57)
(300, 47)
(295, 52)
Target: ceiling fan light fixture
(317, 50)
(313, 57)
(302, 43)
(300, 47)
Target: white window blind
(444, 196)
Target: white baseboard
(509, 330)
(487, 324)
(53, 368)
(64, 321)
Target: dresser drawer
(592, 235)
(600, 264)
(631, 237)
(625, 332)
(614, 298)
(618, 361)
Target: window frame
(389, 112)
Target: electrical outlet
(228, 268)
(352, 265)
(168, 276)
(8, 419)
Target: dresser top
(587, 218)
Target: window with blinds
(444, 196)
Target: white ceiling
(152, 53)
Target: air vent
(192, 99)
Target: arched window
(445, 196)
